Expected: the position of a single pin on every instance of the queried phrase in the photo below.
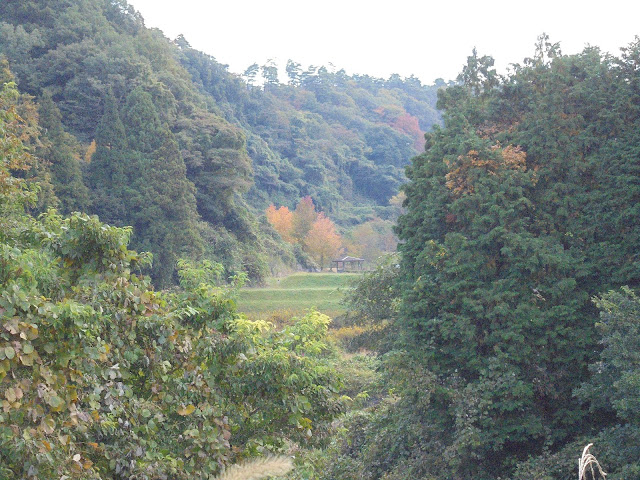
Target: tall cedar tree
(173, 204)
(107, 173)
(142, 122)
(162, 200)
(492, 305)
(60, 150)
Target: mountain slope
(171, 143)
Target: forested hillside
(344, 140)
(499, 340)
(101, 376)
(150, 133)
(511, 353)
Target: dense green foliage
(152, 152)
(103, 377)
(372, 307)
(63, 152)
(612, 392)
(521, 211)
(522, 208)
(169, 142)
(344, 140)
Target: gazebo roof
(349, 258)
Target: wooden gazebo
(348, 264)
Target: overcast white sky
(427, 39)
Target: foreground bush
(102, 377)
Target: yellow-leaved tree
(322, 242)
(303, 218)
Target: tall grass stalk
(587, 463)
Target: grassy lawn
(296, 293)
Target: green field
(296, 293)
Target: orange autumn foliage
(303, 217)
(304, 226)
(281, 219)
(461, 176)
(322, 242)
(408, 124)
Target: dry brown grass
(258, 468)
(588, 464)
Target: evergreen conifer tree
(167, 220)
(141, 121)
(492, 309)
(58, 148)
(107, 174)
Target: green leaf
(55, 401)
(10, 395)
